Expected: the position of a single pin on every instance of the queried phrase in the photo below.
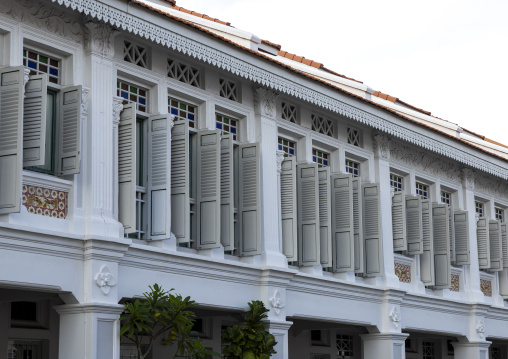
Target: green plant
(252, 341)
(162, 314)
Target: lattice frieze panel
(184, 73)
(228, 89)
(134, 54)
(353, 137)
(322, 125)
(288, 112)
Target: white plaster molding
(468, 178)
(395, 316)
(280, 157)
(37, 179)
(229, 62)
(85, 95)
(105, 280)
(26, 77)
(265, 100)
(402, 259)
(277, 301)
(99, 38)
(117, 108)
(382, 146)
(480, 328)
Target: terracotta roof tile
(203, 16)
(395, 99)
(271, 44)
(300, 59)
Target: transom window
(322, 125)
(495, 353)
(42, 64)
(499, 212)
(479, 208)
(396, 182)
(353, 137)
(134, 54)
(344, 345)
(288, 112)
(227, 124)
(320, 157)
(184, 73)
(132, 93)
(353, 168)
(183, 111)
(446, 197)
(429, 350)
(228, 90)
(422, 190)
(288, 146)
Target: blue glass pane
(219, 125)
(191, 117)
(399, 185)
(291, 151)
(314, 158)
(53, 71)
(32, 65)
(325, 162)
(233, 130)
(125, 95)
(355, 172)
(174, 111)
(280, 147)
(142, 101)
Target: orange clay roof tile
(317, 79)
(203, 16)
(271, 44)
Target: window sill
(37, 179)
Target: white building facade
(141, 144)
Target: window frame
(427, 190)
(353, 161)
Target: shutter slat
(325, 225)
(359, 244)
(504, 239)
(372, 230)
(127, 168)
(227, 198)
(451, 227)
(308, 215)
(496, 246)
(427, 257)
(343, 245)
(482, 238)
(399, 222)
(69, 131)
(414, 225)
(34, 121)
(461, 224)
(441, 246)
(288, 208)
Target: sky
(449, 57)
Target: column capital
(381, 146)
(468, 178)
(113, 309)
(264, 100)
(99, 38)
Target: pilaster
(279, 329)
(472, 350)
(384, 345)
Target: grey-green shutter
(69, 131)
(208, 189)
(309, 253)
(127, 168)
(159, 174)
(325, 225)
(249, 200)
(372, 230)
(180, 181)
(399, 222)
(34, 121)
(11, 127)
(441, 246)
(482, 238)
(461, 224)
(504, 239)
(227, 194)
(343, 241)
(288, 208)
(414, 225)
(359, 247)
(496, 246)
(451, 226)
(427, 257)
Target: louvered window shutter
(127, 168)
(496, 246)
(69, 131)
(288, 208)
(248, 200)
(325, 225)
(11, 122)
(461, 224)
(343, 240)
(482, 238)
(34, 121)
(309, 253)
(208, 189)
(441, 246)
(180, 181)
(451, 226)
(399, 222)
(159, 172)
(372, 230)
(359, 246)
(227, 194)
(427, 257)
(414, 231)
(504, 240)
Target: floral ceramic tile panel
(455, 283)
(45, 202)
(486, 287)
(403, 271)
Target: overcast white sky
(449, 57)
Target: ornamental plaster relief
(99, 38)
(490, 185)
(265, 101)
(50, 18)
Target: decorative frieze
(403, 271)
(486, 287)
(45, 202)
(455, 283)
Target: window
(499, 212)
(227, 124)
(353, 137)
(134, 54)
(479, 208)
(422, 190)
(228, 90)
(344, 346)
(183, 111)
(288, 146)
(495, 352)
(320, 157)
(184, 73)
(353, 168)
(446, 197)
(429, 350)
(288, 112)
(396, 182)
(133, 93)
(129, 351)
(42, 64)
(26, 348)
(140, 179)
(322, 125)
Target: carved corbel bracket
(99, 38)
(265, 101)
(382, 146)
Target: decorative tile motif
(486, 287)
(455, 283)
(46, 202)
(403, 271)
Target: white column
(474, 350)
(386, 346)
(280, 329)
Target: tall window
(499, 212)
(422, 190)
(479, 208)
(288, 112)
(133, 93)
(227, 124)
(396, 182)
(140, 179)
(288, 146)
(42, 64)
(446, 197)
(322, 158)
(182, 111)
(353, 168)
